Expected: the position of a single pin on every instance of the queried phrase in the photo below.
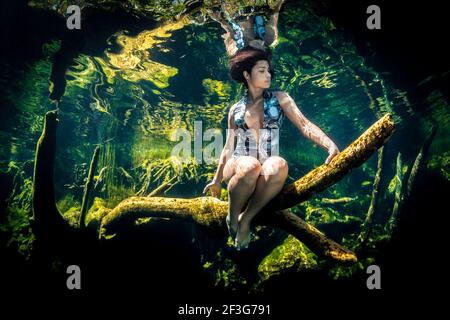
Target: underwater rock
(291, 255)
(72, 216)
(96, 213)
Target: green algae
(291, 255)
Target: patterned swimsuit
(269, 134)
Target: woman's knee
(275, 166)
(248, 168)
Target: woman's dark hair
(244, 60)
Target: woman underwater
(253, 170)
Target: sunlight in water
(134, 61)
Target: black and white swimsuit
(269, 134)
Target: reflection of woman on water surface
(253, 170)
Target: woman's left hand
(332, 152)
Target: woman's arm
(306, 127)
(228, 147)
(230, 44)
(226, 153)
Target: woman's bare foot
(232, 225)
(243, 235)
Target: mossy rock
(291, 255)
(96, 213)
(68, 204)
(72, 216)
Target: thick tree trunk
(45, 212)
(48, 224)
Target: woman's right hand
(215, 188)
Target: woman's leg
(271, 35)
(240, 174)
(273, 175)
(230, 44)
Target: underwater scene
(113, 119)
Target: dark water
(131, 82)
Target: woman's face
(260, 76)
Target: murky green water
(131, 101)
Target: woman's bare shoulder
(231, 123)
(282, 97)
(234, 106)
(280, 93)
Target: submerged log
(326, 175)
(45, 212)
(419, 160)
(211, 212)
(162, 188)
(366, 227)
(400, 194)
(89, 186)
(337, 201)
(54, 235)
(392, 221)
